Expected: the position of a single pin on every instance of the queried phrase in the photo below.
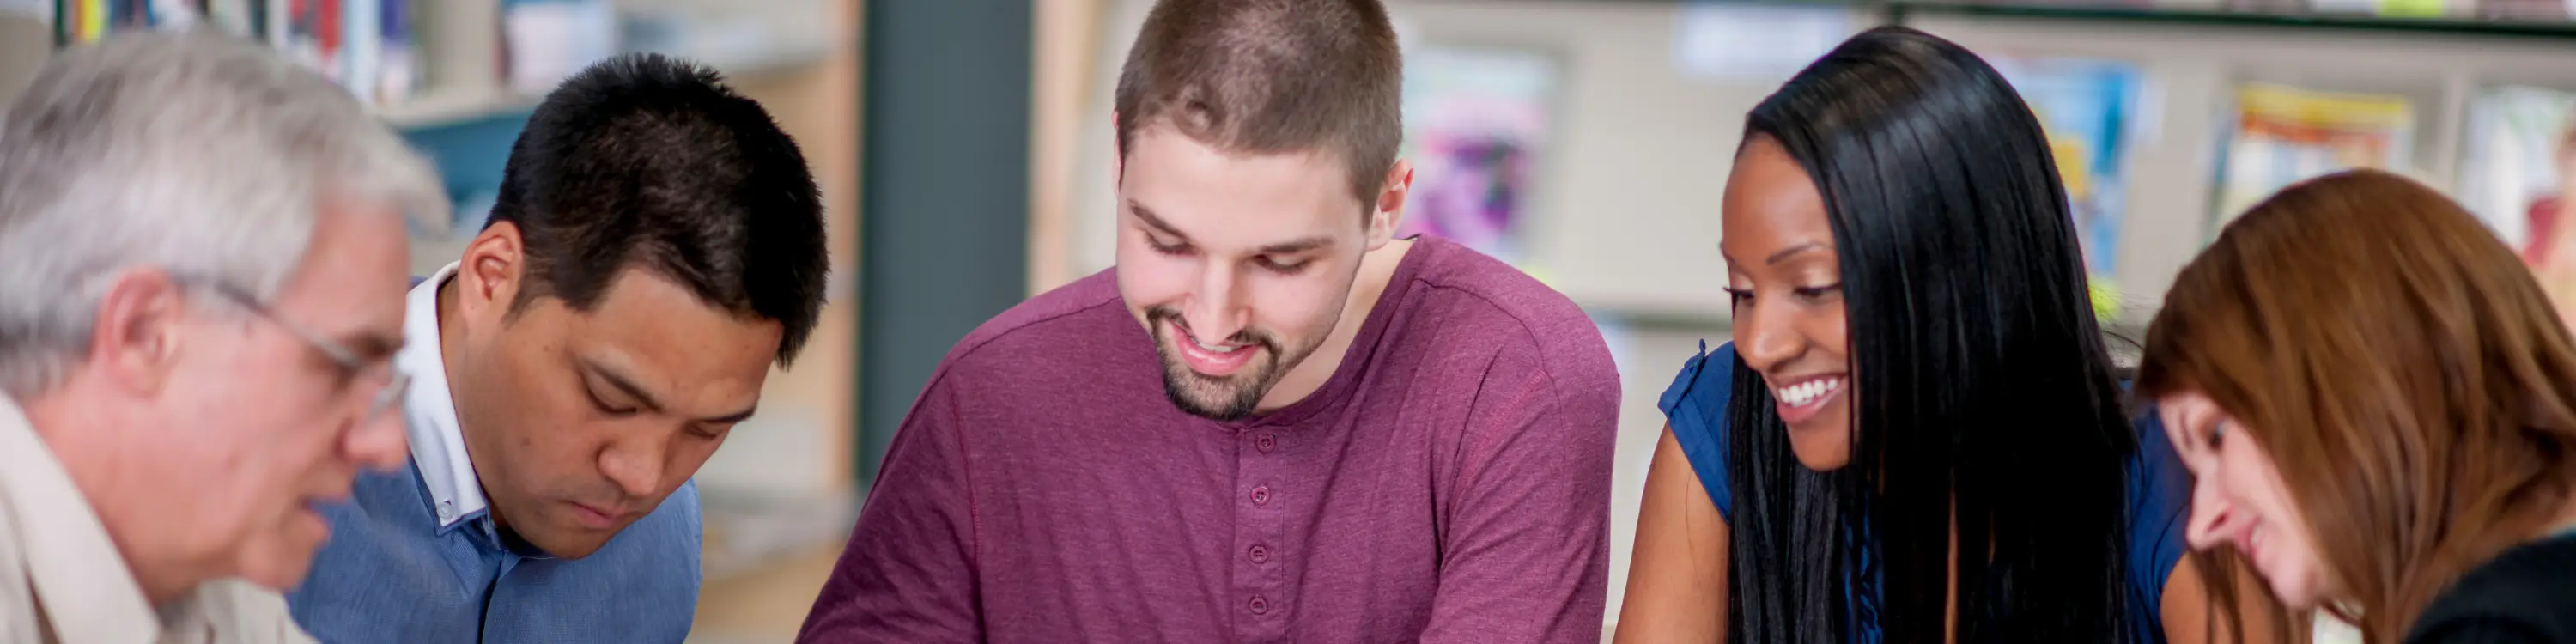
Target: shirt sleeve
(1526, 555)
(908, 573)
(2159, 498)
(1695, 407)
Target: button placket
(1261, 513)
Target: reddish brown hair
(2405, 371)
(1271, 76)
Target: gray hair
(195, 153)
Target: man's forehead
(653, 327)
(1178, 172)
(1250, 227)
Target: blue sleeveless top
(2159, 488)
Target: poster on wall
(2090, 110)
(1477, 123)
(2087, 108)
(2284, 135)
(2519, 157)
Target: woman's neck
(2562, 524)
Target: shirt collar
(79, 577)
(429, 411)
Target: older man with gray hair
(201, 269)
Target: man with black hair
(657, 244)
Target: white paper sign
(1756, 42)
(41, 9)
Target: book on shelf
(2515, 169)
(2282, 135)
(365, 45)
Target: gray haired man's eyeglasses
(351, 365)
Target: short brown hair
(1271, 76)
(2410, 379)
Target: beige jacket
(62, 580)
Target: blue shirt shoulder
(2159, 488)
(392, 574)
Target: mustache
(1157, 315)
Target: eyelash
(604, 408)
(1266, 263)
(2217, 434)
(1282, 269)
(1743, 296)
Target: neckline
(1363, 347)
(2561, 531)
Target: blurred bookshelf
(2510, 18)
(427, 63)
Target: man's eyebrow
(1147, 215)
(1298, 246)
(622, 383)
(649, 403)
(373, 346)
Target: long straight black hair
(1981, 386)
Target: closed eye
(611, 411)
(1817, 292)
(1283, 268)
(1167, 249)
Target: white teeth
(1802, 393)
(1204, 345)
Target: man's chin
(1217, 399)
(568, 543)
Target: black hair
(644, 161)
(1980, 380)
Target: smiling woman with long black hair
(1929, 441)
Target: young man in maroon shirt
(1272, 421)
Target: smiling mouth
(1813, 390)
(1803, 399)
(1214, 360)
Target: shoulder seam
(964, 350)
(1546, 369)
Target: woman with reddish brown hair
(2378, 405)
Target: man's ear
(136, 340)
(490, 276)
(1117, 155)
(1388, 211)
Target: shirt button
(1261, 495)
(1260, 606)
(1260, 554)
(1266, 442)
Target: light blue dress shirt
(415, 557)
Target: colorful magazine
(2284, 135)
